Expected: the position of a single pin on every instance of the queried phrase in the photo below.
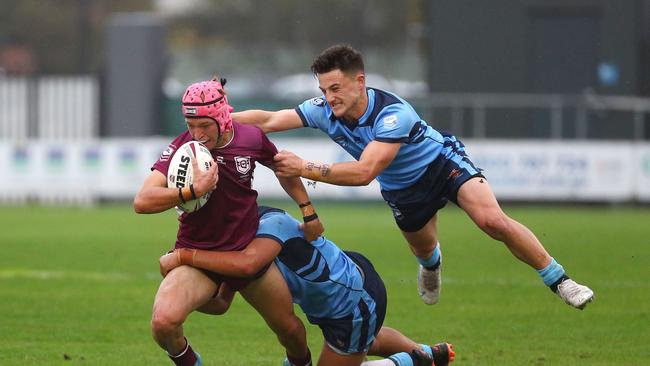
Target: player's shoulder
(246, 130)
(316, 106)
(276, 217)
(171, 148)
(315, 102)
(388, 104)
(248, 136)
(278, 224)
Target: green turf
(80, 283)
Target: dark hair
(340, 56)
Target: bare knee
(292, 328)
(165, 323)
(497, 226)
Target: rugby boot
(443, 354)
(429, 283)
(421, 358)
(574, 293)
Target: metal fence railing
(555, 116)
(49, 108)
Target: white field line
(23, 273)
(501, 282)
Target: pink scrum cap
(208, 99)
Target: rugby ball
(181, 173)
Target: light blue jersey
(388, 118)
(322, 279)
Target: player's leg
(477, 199)
(401, 350)
(182, 291)
(270, 296)
(329, 357)
(424, 245)
(390, 341)
(415, 211)
(219, 304)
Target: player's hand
(205, 182)
(312, 229)
(287, 164)
(219, 304)
(169, 261)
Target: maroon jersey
(229, 219)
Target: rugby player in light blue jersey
(418, 169)
(339, 291)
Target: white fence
(49, 108)
(82, 172)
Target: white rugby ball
(181, 172)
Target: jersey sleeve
(394, 125)
(162, 164)
(267, 151)
(313, 113)
(279, 227)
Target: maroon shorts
(235, 283)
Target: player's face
(204, 130)
(344, 92)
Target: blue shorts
(356, 332)
(415, 205)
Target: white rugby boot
(429, 283)
(574, 293)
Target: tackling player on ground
(228, 221)
(418, 169)
(339, 291)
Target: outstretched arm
(376, 157)
(244, 263)
(282, 120)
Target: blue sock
(427, 349)
(430, 263)
(551, 273)
(401, 359)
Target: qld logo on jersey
(243, 164)
(169, 151)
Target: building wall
(489, 46)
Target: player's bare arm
(154, 196)
(245, 263)
(267, 121)
(312, 226)
(374, 159)
(219, 304)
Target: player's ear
(361, 79)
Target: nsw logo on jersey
(390, 122)
(318, 101)
(243, 164)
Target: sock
(432, 262)
(555, 284)
(300, 361)
(401, 359)
(551, 273)
(427, 349)
(186, 358)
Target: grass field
(79, 284)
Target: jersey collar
(364, 118)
